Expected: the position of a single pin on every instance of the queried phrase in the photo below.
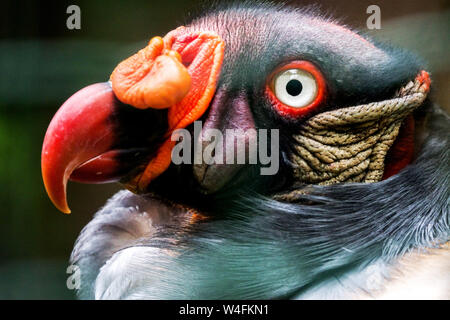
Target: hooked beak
(88, 140)
(79, 131)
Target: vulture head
(350, 175)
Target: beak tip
(63, 207)
(58, 199)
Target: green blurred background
(42, 63)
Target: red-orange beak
(79, 131)
(84, 141)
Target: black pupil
(294, 87)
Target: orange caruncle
(178, 72)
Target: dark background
(42, 63)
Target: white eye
(295, 87)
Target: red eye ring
(297, 112)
